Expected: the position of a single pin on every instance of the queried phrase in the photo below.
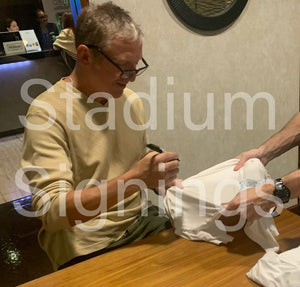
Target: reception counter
(14, 72)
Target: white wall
(258, 53)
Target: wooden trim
(11, 132)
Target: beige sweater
(64, 155)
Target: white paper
(30, 41)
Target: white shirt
(195, 210)
(277, 270)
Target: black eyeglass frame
(125, 74)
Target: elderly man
(85, 156)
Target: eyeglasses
(125, 74)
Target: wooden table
(168, 260)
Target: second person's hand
(253, 153)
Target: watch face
(281, 191)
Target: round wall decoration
(207, 15)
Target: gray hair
(99, 25)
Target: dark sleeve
(53, 28)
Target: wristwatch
(281, 191)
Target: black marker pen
(156, 148)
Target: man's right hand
(157, 166)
